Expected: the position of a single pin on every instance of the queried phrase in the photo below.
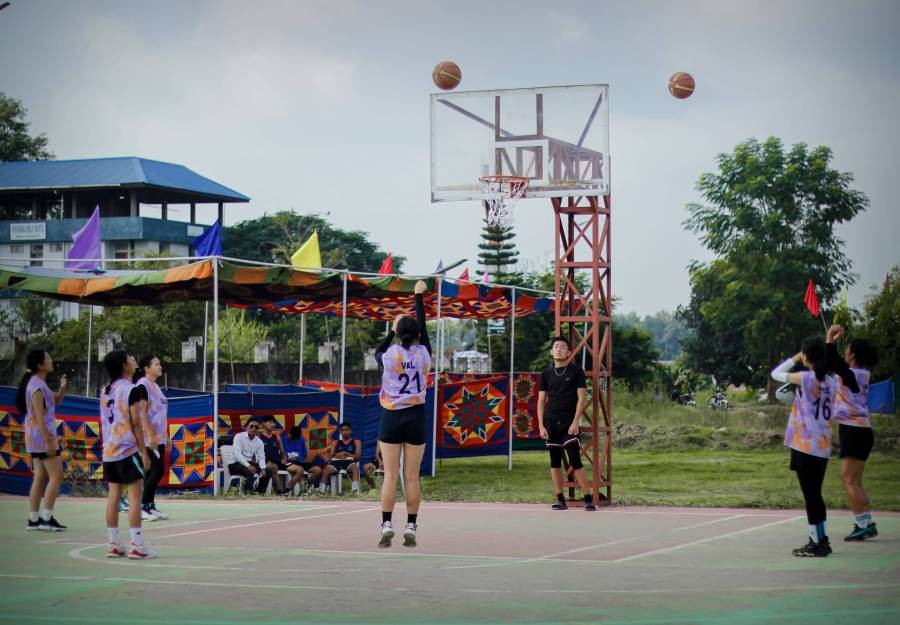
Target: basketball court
(316, 562)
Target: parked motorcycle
(718, 401)
(687, 399)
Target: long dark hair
(142, 366)
(32, 361)
(113, 362)
(408, 331)
(865, 353)
(814, 350)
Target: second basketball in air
(446, 75)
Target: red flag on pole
(464, 275)
(387, 267)
(810, 299)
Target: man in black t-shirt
(560, 406)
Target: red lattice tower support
(583, 237)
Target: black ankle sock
(587, 498)
(560, 498)
(386, 516)
(411, 518)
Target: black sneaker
(589, 506)
(33, 526)
(559, 505)
(51, 526)
(820, 549)
(860, 534)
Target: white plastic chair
(226, 452)
(287, 478)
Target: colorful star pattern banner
(473, 416)
(190, 460)
(318, 424)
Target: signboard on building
(33, 231)
(194, 231)
(496, 326)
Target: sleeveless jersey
(346, 448)
(157, 414)
(853, 408)
(270, 447)
(809, 426)
(115, 419)
(404, 379)
(34, 441)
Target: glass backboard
(557, 137)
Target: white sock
(33, 517)
(47, 514)
(137, 536)
(862, 520)
(354, 486)
(322, 487)
(113, 533)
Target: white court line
(704, 540)
(165, 525)
(605, 511)
(508, 591)
(300, 518)
(552, 556)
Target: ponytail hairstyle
(865, 353)
(33, 361)
(814, 350)
(142, 366)
(408, 331)
(114, 362)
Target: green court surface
(264, 561)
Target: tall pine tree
(498, 254)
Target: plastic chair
(226, 452)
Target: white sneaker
(147, 515)
(387, 534)
(409, 535)
(141, 552)
(115, 550)
(354, 491)
(159, 514)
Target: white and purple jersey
(853, 408)
(809, 426)
(157, 414)
(34, 440)
(404, 378)
(115, 419)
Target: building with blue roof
(43, 203)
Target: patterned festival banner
(473, 418)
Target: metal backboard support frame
(557, 137)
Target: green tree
(770, 219)
(498, 255)
(881, 325)
(16, 144)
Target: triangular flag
(87, 245)
(485, 278)
(464, 275)
(308, 256)
(810, 299)
(440, 267)
(210, 242)
(387, 267)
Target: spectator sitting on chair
(250, 458)
(294, 446)
(276, 460)
(344, 454)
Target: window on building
(122, 250)
(16, 249)
(37, 253)
(56, 247)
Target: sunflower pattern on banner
(473, 418)
(525, 396)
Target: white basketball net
(501, 194)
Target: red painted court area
(290, 562)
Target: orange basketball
(681, 85)
(446, 75)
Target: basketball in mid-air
(681, 85)
(446, 75)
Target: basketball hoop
(501, 194)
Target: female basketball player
(155, 411)
(808, 435)
(851, 411)
(404, 374)
(38, 404)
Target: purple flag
(87, 245)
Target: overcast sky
(322, 106)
